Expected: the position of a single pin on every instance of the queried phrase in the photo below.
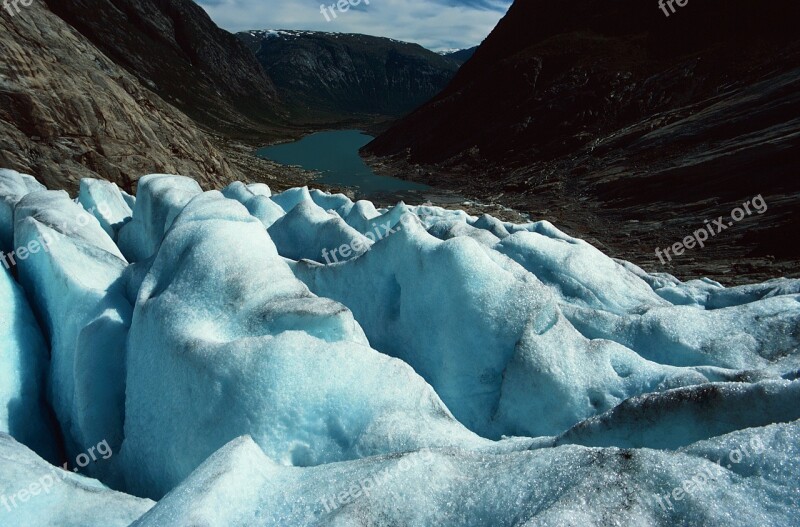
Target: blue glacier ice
(444, 369)
(159, 199)
(338, 203)
(570, 485)
(683, 416)
(578, 272)
(487, 334)
(106, 202)
(13, 187)
(75, 286)
(34, 493)
(309, 232)
(366, 219)
(757, 335)
(23, 365)
(289, 199)
(220, 309)
(256, 197)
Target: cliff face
(605, 113)
(342, 75)
(175, 49)
(67, 111)
(552, 76)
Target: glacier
(75, 286)
(34, 492)
(239, 486)
(106, 202)
(13, 187)
(253, 363)
(254, 358)
(25, 359)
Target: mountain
(460, 55)
(176, 50)
(70, 108)
(626, 125)
(67, 111)
(336, 75)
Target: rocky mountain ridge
(67, 112)
(176, 50)
(627, 126)
(344, 76)
(71, 109)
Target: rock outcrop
(175, 49)
(67, 111)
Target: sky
(435, 24)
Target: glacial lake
(335, 155)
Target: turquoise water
(335, 155)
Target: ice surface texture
(437, 369)
(74, 284)
(256, 198)
(487, 335)
(34, 493)
(309, 232)
(571, 485)
(225, 341)
(23, 364)
(159, 199)
(107, 203)
(13, 187)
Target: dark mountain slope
(626, 125)
(336, 75)
(175, 49)
(462, 55)
(67, 111)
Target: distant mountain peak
(284, 33)
(459, 55)
(334, 75)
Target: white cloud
(437, 24)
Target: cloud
(436, 24)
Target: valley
(431, 263)
(336, 78)
(620, 136)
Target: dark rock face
(330, 75)
(627, 125)
(175, 49)
(68, 111)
